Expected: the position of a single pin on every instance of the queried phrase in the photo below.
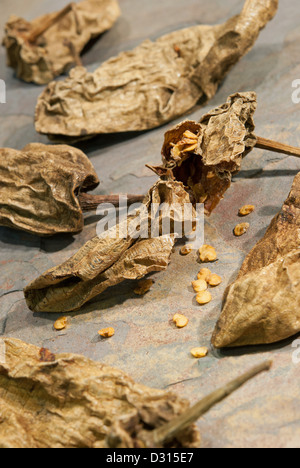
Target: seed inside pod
(61, 323)
(180, 320)
(214, 280)
(199, 285)
(106, 332)
(203, 297)
(207, 253)
(199, 352)
(241, 229)
(246, 210)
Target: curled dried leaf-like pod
(157, 82)
(39, 188)
(48, 46)
(81, 404)
(224, 137)
(69, 401)
(113, 257)
(263, 304)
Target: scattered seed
(181, 321)
(61, 323)
(143, 287)
(106, 332)
(199, 285)
(204, 274)
(186, 249)
(214, 280)
(199, 352)
(207, 253)
(241, 229)
(246, 210)
(203, 297)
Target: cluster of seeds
(205, 277)
(188, 144)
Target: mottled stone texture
(146, 345)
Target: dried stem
(39, 30)
(75, 55)
(164, 434)
(90, 202)
(270, 145)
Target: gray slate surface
(266, 412)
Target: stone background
(264, 413)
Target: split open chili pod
(205, 155)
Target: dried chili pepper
(199, 160)
(109, 259)
(205, 155)
(48, 46)
(263, 304)
(85, 404)
(43, 189)
(156, 82)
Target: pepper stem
(39, 30)
(168, 432)
(90, 202)
(263, 143)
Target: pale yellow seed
(143, 287)
(203, 274)
(199, 285)
(214, 280)
(176, 153)
(190, 148)
(241, 229)
(106, 332)
(199, 352)
(189, 141)
(181, 321)
(186, 250)
(246, 210)
(203, 297)
(207, 253)
(61, 323)
(189, 134)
